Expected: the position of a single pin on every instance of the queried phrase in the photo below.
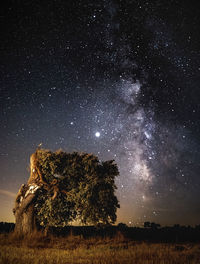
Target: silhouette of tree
(151, 225)
(147, 224)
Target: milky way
(119, 79)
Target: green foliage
(58, 212)
(88, 184)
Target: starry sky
(117, 78)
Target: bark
(24, 212)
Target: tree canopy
(78, 187)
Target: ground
(75, 249)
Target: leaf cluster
(86, 189)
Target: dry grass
(38, 249)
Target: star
(97, 134)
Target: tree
(147, 224)
(151, 225)
(64, 187)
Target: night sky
(119, 79)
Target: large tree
(65, 187)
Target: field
(74, 249)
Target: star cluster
(116, 78)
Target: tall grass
(38, 249)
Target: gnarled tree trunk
(24, 210)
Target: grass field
(74, 249)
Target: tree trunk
(24, 211)
(25, 221)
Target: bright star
(148, 136)
(97, 134)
